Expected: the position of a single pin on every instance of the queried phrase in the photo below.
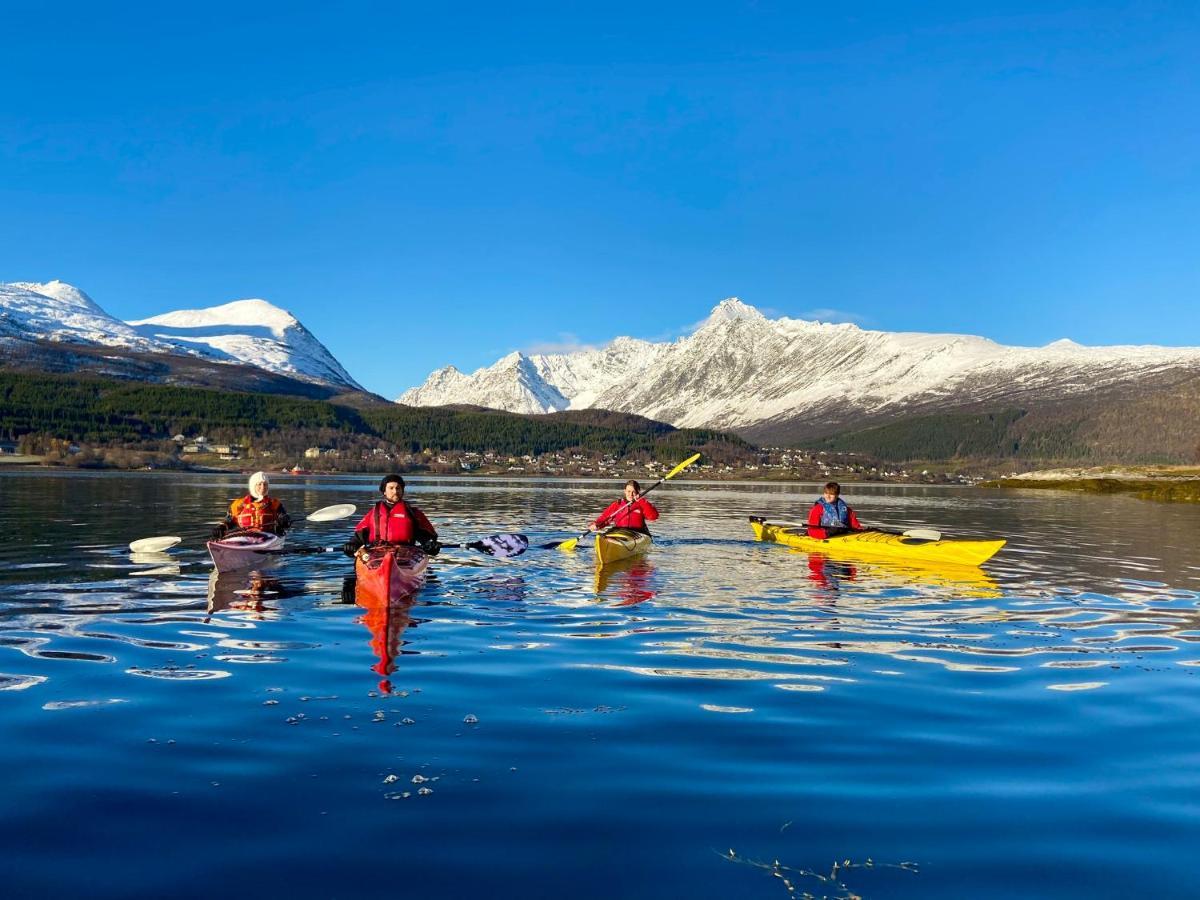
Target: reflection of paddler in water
(247, 591)
(629, 579)
(386, 620)
(829, 573)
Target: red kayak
(245, 550)
(387, 572)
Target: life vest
(255, 514)
(398, 524)
(835, 514)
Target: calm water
(721, 719)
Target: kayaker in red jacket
(393, 520)
(830, 515)
(256, 511)
(633, 512)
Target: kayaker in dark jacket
(830, 515)
(633, 512)
(393, 520)
(255, 511)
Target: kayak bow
(245, 549)
(388, 572)
(620, 543)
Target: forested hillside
(108, 412)
(1159, 424)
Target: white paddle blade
(923, 534)
(330, 513)
(153, 544)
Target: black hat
(387, 479)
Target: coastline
(1178, 484)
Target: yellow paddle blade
(683, 465)
(568, 544)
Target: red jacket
(814, 520)
(402, 523)
(634, 516)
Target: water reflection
(386, 620)
(629, 581)
(1058, 599)
(245, 592)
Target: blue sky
(424, 184)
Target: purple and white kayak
(245, 550)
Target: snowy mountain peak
(732, 309)
(67, 294)
(245, 332)
(254, 332)
(239, 312)
(741, 370)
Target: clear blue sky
(424, 184)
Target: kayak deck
(389, 572)
(620, 543)
(245, 549)
(881, 545)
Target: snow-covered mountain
(58, 312)
(742, 371)
(253, 332)
(246, 332)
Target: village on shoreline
(766, 464)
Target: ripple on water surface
(719, 693)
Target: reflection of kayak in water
(386, 618)
(386, 621)
(627, 580)
(620, 543)
(958, 581)
(881, 545)
(241, 590)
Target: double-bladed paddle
(501, 546)
(570, 543)
(920, 534)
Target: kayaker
(830, 515)
(633, 512)
(393, 520)
(256, 511)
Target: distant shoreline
(844, 478)
(1180, 484)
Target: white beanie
(254, 479)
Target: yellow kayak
(620, 543)
(881, 545)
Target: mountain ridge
(40, 320)
(793, 378)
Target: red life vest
(255, 514)
(634, 516)
(401, 524)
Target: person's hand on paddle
(218, 532)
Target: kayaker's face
(830, 496)
(630, 493)
(259, 488)
(392, 492)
